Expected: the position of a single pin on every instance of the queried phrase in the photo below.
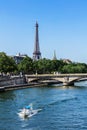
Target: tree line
(42, 66)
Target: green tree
(7, 64)
(74, 68)
(44, 66)
(26, 65)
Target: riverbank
(21, 86)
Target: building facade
(19, 57)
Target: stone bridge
(66, 79)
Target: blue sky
(62, 27)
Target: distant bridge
(66, 79)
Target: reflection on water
(7, 95)
(81, 83)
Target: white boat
(28, 112)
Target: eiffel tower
(36, 53)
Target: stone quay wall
(11, 81)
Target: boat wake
(58, 102)
(62, 100)
(28, 111)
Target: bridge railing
(59, 75)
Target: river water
(63, 108)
